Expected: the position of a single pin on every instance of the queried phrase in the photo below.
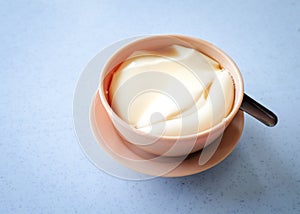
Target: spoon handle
(258, 111)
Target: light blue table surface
(44, 47)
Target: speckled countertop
(46, 44)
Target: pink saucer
(140, 161)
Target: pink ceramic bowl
(169, 145)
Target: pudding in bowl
(140, 88)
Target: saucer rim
(178, 171)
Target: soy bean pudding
(143, 89)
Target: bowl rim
(223, 124)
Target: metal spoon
(258, 111)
